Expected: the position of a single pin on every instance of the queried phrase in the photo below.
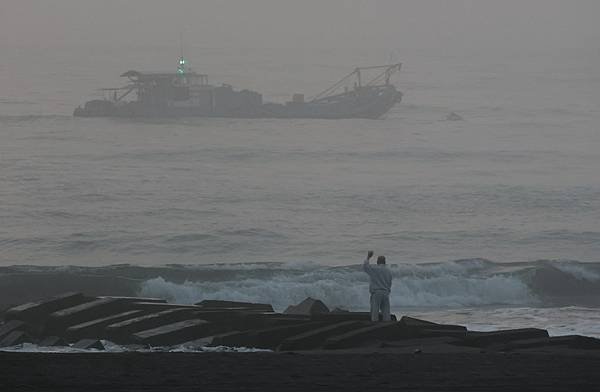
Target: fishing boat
(186, 93)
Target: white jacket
(381, 277)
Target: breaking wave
(457, 284)
(347, 291)
(467, 283)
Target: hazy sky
(304, 23)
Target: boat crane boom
(386, 74)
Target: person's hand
(369, 254)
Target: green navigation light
(181, 67)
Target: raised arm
(366, 265)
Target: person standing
(380, 287)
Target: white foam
(109, 347)
(577, 270)
(451, 284)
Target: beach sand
(317, 371)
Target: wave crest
(348, 288)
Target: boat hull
(367, 103)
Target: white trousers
(380, 300)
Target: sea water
(481, 219)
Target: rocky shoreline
(83, 322)
(311, 347)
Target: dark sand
(568, 371)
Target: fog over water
(512, 189)
(477, 24)
(516, 180)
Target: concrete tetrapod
(309, 306)
(266, 338)
(422, 324)
(10, 326)
(570, 341)
(270, 338)
(87, 344)
(120, 332)
(247, 306)
(159, 306)
(136, 299)
(85, 312)
(316, 337)
(391, 330)
(38, 311)
(180, 332)
(257, 320)
(229, 339)
(14, 338)
(427, 329)
(344, 316)
(52, 341)
(96, 328)
(483, 339)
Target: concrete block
(180, 332)
(267, 338)
(137, 347)
(438, 332)
(309, 306)
(337, 309)
(425, 341)
(343, 316)
(393, 332)
(85, 312)
(277, 321)
(256, 320)
(435, 345)
(10, 326)
(264, 316)
(14, 338)
(375, 331)
(35, 312)
(52, 341)
(428, 325)
(316, 337)
(159, 307)
(271, 338)
(576, 342)
(483, 339)
(121, 331)
(414, 322)
(137, 299)
(248, 306)
(228, 339)
(427, 329)
(220, 316)
(96, 328)
(89, 344)
(225, 320)
(237, 309)
(570, 341)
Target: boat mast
(181, 67)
